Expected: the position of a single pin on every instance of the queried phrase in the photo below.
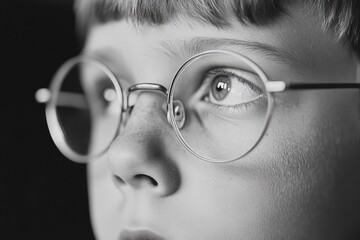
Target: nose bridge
(148, 113)
(177, 108)
(146, 118)
(134, 91)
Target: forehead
(296, 37)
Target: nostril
(146, 178)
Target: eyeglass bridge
(178, 106)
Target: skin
(300, 182)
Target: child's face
(300, 182)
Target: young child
(235, 119)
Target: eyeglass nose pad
(124, 117)
(179, 114)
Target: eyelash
(231, 74)
(235, 108)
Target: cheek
(220, 202)
(307, 154)
(285, 187)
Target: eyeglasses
(219, 105)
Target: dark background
(42, 194)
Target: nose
(140, 157)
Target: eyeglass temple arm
(65, 99)
(43, 95)
(280, 86)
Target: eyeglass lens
(88, 109)
(226, 105)
(224, 98)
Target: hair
(340, 16)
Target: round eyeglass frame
(58, 134)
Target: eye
(231, 87)
(106, 94)
(101, 95)
(107, 97)
(220, 87)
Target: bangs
(156, 12)
(340, 16)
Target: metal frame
(274, 85)
(50, 110)
(271, 88)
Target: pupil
(220, 87)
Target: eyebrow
(181, 48)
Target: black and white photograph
(180, 119)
